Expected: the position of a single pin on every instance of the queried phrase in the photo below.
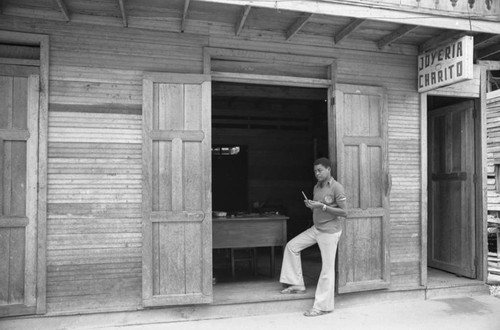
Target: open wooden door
(177, 222)
(362, 165)
(19, 100)
(451, 233)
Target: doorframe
(474, 89)
(42, 41)
(329, 84)
(210, 53)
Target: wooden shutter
(177, 223)
(19, 98)
(362, 161)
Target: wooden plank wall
(94, 209)
(98, 67)
(493, 149)
(94, 184)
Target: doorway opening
(452, 229)
(264, 141)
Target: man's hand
(313, 204)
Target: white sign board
(446, 65)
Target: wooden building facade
(106, 128)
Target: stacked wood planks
(493, 149)
(494, 256)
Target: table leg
(233, 272)
(272, 261)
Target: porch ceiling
(244, 21)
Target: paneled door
(177, 222)
(362, 166)
(19, 100)
(451, 234)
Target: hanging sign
(446, 65)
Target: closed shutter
(19, 99)
(177, 224)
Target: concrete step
(457, 291)
(226, 306)
(156, 316)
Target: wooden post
(1, 174)
(423, 187)
(43, 120)
(332, 144)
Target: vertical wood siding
(18, 178)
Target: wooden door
(362, 165)
(18, 189)
(451, 189)
(177, 222)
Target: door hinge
(474, 178)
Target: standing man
(327, 205)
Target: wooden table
(250, 231)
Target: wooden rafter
(241, 22)
(405, 29)
(123, 12)
(373, 12)
(184, 15)
(483, 38)
(348, 29)
(297, 25)
(442, 38)
(64, 9)
(486, 52)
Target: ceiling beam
(241, 22)
(483, 38)
(222, 89)
(486, 52)
(348, 29)
(442, 38)
(405, 29)
(123, 12)
(297, 25)
(64, 9)
(184, 15)
(375, 12)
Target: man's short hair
(323, 161)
